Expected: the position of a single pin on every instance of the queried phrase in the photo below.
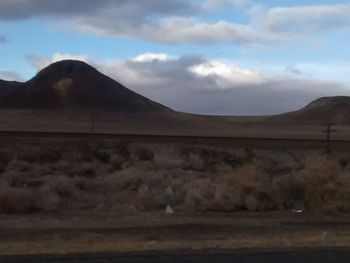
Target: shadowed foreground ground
(140, 233)
(310, 256)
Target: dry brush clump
(326, 185)
(243, 188)
(106, 175)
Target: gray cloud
(293, 69)
(12, 10)
(182, 90)
(226, 90)
(9, 75)
(308, 18)
(178, 21)
(122, 9)
(175, 30)
(218, 4)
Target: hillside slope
(8, 86)
(323, 110)
(73, 84)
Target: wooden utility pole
(92, 110)
(328, 130)
(93, 117)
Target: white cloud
(152, 57)
(227, 75)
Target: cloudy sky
(241, 57)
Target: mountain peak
(71, 84)
(66, 67)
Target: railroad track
(236, 142)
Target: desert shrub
(117, 162)
(144, 199)
(122, 181)
(194, 162)
(52, 194)
(200, 195)
(149, 199)
(6, 157)
(12, 200)
(85, 169)
(21, 173)
(39, 155)
(342, 193)
(45, 199)
(209, 159)
(74, 168)
(20, 166)
(321, 183)
(234, 160)
(143, 154)
(289, 191)
(122, 149)
(102, 155)
(250, 154)
(276, 163)
(206, 159)
(62, 186)
(244, 188)
(73, 155)
(17, 173)
(83, 151)
(87, 185)
(2, 168)
(168, 157)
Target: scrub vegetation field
(116, 175)
(61, 194)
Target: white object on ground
(298, 211)
(169, 210)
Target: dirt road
(300, 256)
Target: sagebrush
(144, 176)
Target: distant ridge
(323, 110)
(72, 84)
(8, 86)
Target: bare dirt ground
(64, 138)
(169, 124)
(219, 256)
(139, 232)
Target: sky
(219, 57)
